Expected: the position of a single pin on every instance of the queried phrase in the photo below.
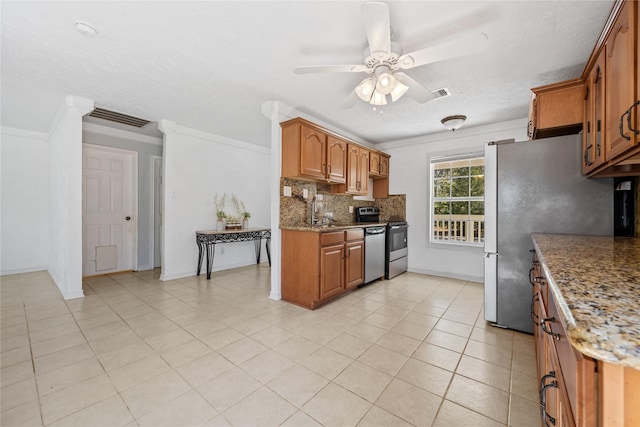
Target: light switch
(287, 191)
(350, 209)
(305, 193)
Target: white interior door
(109, 209)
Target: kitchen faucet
(314, 220)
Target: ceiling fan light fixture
(366, 88)
(453, 122)
(386, 83)
(398, 91)
(86, 29)
(378, 98)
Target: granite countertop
(596, 282)
(332, 227)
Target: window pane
(477, 186)
(477, 170)
(441, 208)
(477, 208)
(460, 187)
(442, 188)
(440, 171)
(460, 208)
(463, 171)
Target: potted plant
(245, 219)
(220, 202)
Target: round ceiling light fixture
(453, 122)
(86, 29)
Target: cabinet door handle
(628, 138)
(543, 325)
(635, 131)
(586, 155)
(531, 270)
(534, 316)
(543, 397)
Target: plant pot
(245, 224)
(220, 225)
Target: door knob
(128, 218)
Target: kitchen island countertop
(596, 283)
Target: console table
(207, 240)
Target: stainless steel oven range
(396, 253)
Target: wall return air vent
(113, 116)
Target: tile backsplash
(296, 210)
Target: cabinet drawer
(332, 238)
(356, 234)
(578, 372)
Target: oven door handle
(393, 227)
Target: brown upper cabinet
(556, 109)
(593, 136)
(621, 77)
(378, 165)
(308, 152)
(358, 170)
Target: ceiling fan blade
(378, 27)
(330, 69)
(459, 47)
(350, 100)
(416, 90)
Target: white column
(65, 196)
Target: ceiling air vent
(441, 93)
(113, 116)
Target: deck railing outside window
(458, 228)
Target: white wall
(65, 197)
(410, 175)
(24, 223)
(198, 165)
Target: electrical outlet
(222, 250)
(350, 209)
(287, 191)
(319, 197)
(305, 193)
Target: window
(457, 200)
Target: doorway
(109, 209)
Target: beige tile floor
(138, 351)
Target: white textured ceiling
(209, 65)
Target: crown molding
(23, 133)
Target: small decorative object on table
(233, 223)
(229, 222)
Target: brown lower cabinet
(319, 267)
(575, 389)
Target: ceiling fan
(384, 61)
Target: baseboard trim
(24, 270)
(447, 274)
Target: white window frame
(432, 162)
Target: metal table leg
(211, 249)
(268, 246)
(258, 244)
(200, 256)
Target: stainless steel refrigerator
(533, 187)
